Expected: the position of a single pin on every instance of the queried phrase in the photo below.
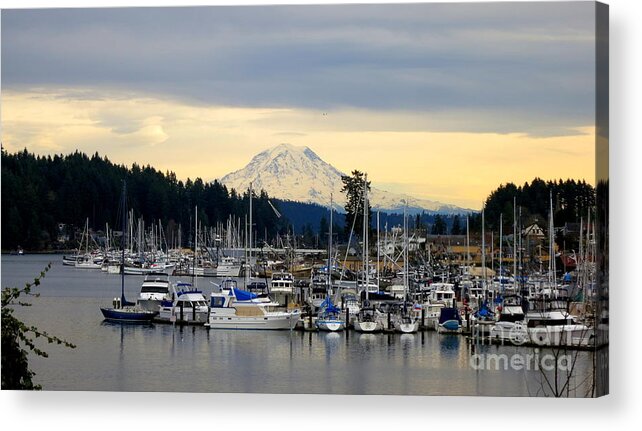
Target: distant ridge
(297, 173)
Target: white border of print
(104, 410)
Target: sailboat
(404, 322)
(329, 316)
(550, 323)
(122, 310)
(366, 319)
(88, 260)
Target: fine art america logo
(518, 361)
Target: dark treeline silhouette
(571, 200)
(40, 192)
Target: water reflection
(367, 341)
(332, 341)
(449, 343)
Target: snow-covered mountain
(298, 174)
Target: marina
(148, 357)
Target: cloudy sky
(442, 101)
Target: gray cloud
(530, 65)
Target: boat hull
(85, 265)
(282, 322)
(450, 327)
(228, 271)
(330, 325)
(513, 332)
(366, 326)
(407, 328)
(128, 315)
(569, 335)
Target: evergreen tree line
(572, 199)
(40, 192)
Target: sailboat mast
(467, 244)
(501, 233)
(329, 278)
(405, 253)
(195, 244)
(515, 240)
(122, 254)
(551, 260)
(250, 236)
(87, 229)
(378, 252)
(483, 255)
(365, 232)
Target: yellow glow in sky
(397, 149)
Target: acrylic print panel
(339, 199)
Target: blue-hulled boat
(128, 314)
(123, 311)
(449, 320)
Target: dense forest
(571, 201)
(39, 193)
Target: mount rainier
(296, 173)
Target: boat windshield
(154, 289)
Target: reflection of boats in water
(332, 340)
(367, 339)
(450, 343)
(407, 340)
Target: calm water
(115, 357)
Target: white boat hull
(407, 328)
(113, 269)
(283, 321)
(569, 335)
(330, 325)
(366, 326)
(228, 271)
(87, 265)
(515, 333)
